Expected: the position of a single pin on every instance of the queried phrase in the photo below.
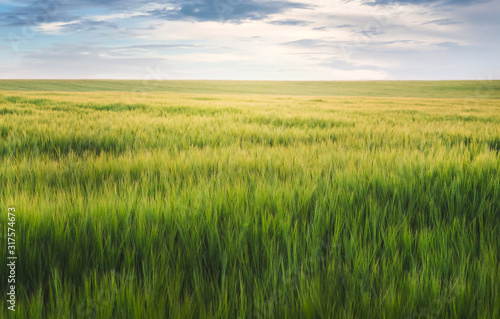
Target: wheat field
(190, 204)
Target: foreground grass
(251, 206)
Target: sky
(313, 40)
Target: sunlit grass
(251, 206)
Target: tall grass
(251, 206)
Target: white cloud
(117, 16)
(54, 27)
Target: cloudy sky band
(255, 40)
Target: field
(252, 200)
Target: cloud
(75, 61)
(424, 2)
(290, 22)
(108, 51)
(65, 16)
(345, 26)
(75, 26)
(307, 43)
(442, 22)
(225, 10)
(448, 45)
(158, 46)
(342, 65)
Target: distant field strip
(473, 91)
(242, 205)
